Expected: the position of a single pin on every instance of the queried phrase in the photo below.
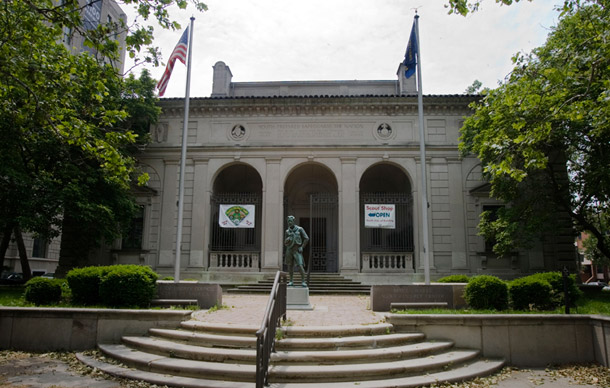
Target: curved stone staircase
(200, 354)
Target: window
(67, 36)
(493, 211)
(40, 248)
(133, 237)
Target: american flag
(179, 53)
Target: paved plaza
(328, 310)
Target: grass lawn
(12, 296)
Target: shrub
(486, 292)
(128, 285)
(85, 284)
(454, 279)
(42, 291)
(531, 292)
(555, 281)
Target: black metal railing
(265, 336)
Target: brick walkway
(328, 310)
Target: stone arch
(386, 219)
(236, 245)
(311, 195)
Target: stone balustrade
(383, 262)
(234, 261)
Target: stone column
(169, 209)
(200, 209)
(457, 218)
(271, 252)
(348, 217)
(417, 208)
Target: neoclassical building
(339, 156)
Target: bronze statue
(295, 239)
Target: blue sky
(289, 40)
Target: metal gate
(235, 239)
(324, 231)
(399, 239)
(319, 218)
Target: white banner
(236, 216)
(380, 216)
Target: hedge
(486, 292)
(114, 286)
(43, 291)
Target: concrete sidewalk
(47, 372)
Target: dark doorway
(311, 196)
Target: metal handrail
(265, 336)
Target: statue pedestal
(297, 298)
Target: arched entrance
(310, 194)
(386, 247)
(235, 234)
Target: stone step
(202, 354)
(226, 328)
(370, 370)
(464, 372)
(284, 373)
(311, 288)
(468, 371)
(160, 379)
(169, 348)
(180, 367)
(206, 339)
(325, 291)
(320, 283)
(337, 331)
(316, 281)
(358, 355)
(362, 342)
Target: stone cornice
(317, 106)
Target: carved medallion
(238, 132)
(384, 131)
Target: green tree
(544, 135)
(70, 124)
(591, 244)
(474, 88)
(464, 7)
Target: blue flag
(410, 61)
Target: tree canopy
(70, 123)
(543, 136)
(464, 7)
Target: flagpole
(187, 95)
(422, 152)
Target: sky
(290, 40)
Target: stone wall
(52, 329)
(522, 340)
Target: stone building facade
(324, 152)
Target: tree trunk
(23, 255)
(6, 240)
(76, 242)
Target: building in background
(96, 12)
(343, 158)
